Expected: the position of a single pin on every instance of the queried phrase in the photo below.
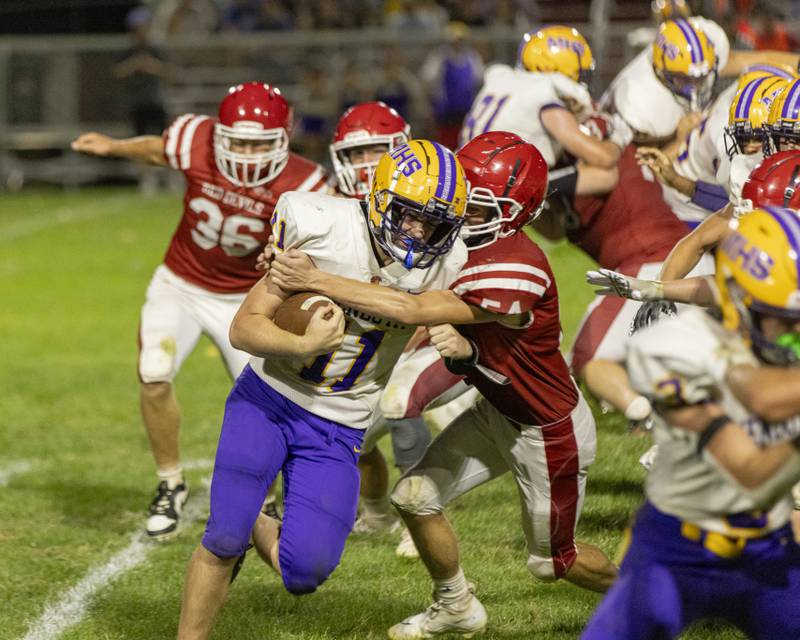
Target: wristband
(462, 367)
(710, 431)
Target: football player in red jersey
(532, 421)
(236, 167)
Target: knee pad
(224, 544)
(542, 568)
(302, 576)
(417, 495)
(157, 360)
(410, 438)
(394, 400)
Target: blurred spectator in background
(241, 15)
(143, 70)
(184, 19)
(452, 74)
(274, 16)
(397, 86)
(354, 86)
(415, 15)
(759, 26)
(316, 108)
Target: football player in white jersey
(714, 537)
(544, 99)
(697, 180)
(675, 77)
(302, 404)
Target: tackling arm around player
(530, 401)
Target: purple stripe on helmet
(791, 103)
(746, 99)
(775, 71)
(790, 223)
(692, 39)
(446, 186)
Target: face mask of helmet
(250, 168)
(742, 138)
(399, 219)
(499, 213)
(784, 351)
(354, 164)
(694, 93)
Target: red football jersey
(630, 225)
(513, 276)
(223, 226)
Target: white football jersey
(684, 360)
(701, 157)
(639, 97)
(346, 385)
(511, 100)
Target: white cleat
(406, 547)
(165, 511)
(440, 618)
(648, 457)
(387, 523)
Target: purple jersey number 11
(474, 123)
(315, 372)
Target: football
(295, 312)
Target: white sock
(376, 507)
(173, 477)
(638, 409)
(451, 591)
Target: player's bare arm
(660, 164)
(697, 291)
(687, 253)
(294, 271)
(146, 149)
(769, 392)
(253, 330)
(730, 445)
(563, 126)
(739, 61)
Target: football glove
(651, 312)
(613, 283)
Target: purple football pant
(667, 581)
(263, 432)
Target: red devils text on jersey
(513, 276)
(630, 225)
(223, 226)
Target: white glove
(621, 134)
(614, 283)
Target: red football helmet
(775, 182)
(252, 115)
(506, 174)
(364, 125)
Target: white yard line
(71, 607)
(62, 215)
(12, 469)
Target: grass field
(76, 473)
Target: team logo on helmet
(557, 49)
(783, 121)
(417, 202)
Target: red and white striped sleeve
(502, 287)
(179, 139)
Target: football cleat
(406, 547)
(383, 523)
(440, 618)
(165, 510)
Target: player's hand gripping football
(449, 342)
(613, 283)
(95, 144)
(325, 331)
(293, 270)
